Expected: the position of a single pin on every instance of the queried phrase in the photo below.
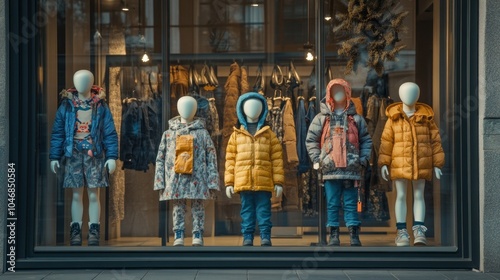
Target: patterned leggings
(197, 210)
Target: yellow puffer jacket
(411, 146)
(254, 163)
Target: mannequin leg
(179, 214)
(94, 215)
(401, 188)
(402, 237)
(198, 213)
(94, 205)
(76, 217)
(419, 200)
(419, 213)
(77, 205)
(263, 209)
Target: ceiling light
(309, 56)
(125, 9)
(328, 18)
(145, 57)
(255, 5)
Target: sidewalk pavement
(226, 274)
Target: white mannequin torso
(187, 106)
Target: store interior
(265, 44)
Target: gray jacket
(356, 158)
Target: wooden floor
(368, 240)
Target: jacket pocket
(184, 153)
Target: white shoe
(197, 239)
(403, 238)
(179, 238)
(419, 234)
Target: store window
(148, 54)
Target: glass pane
(220, 50)
(119, 43)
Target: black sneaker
(334, 237)
(75, 235)
(94, 235)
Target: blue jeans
(255, 205)
(334, 189)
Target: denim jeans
(255, 205)
(334, 189)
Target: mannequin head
(409, 94)
(83, 81)
(186, 106)
(338, 94)
(252, 108)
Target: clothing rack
(134, 61)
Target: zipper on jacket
(253, 164)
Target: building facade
(145, 55)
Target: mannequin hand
(438, 172)
(278, 190)
(229, 191)
(54, 165)
(385, 172)
(111, 165)
(316, 166)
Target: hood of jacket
(241, 115)
(422, 112)
(347, 88)
(176, 125)
(97, 94)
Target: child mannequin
(76, 134)
(408, 121)
(195, 185)
(339, 143)
(254, 167)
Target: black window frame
(24, 130)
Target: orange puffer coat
(411, 146)
(253, 162)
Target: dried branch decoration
(372, 28)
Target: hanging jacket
(232, 90)
(411, 146)
(301, 129)
(253, 162)
(289, 134)
(204, 176)
(357, 154)
(102, 133)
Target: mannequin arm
(279, 190)
(438, 172)
(385, 172)
(313, 141)
(54, 165)
(229, 191)
(111, 165)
